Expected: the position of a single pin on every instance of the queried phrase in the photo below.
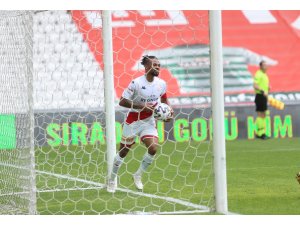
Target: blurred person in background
(261, 87)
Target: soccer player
(141, 97)
(262, 88)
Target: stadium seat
(66, 74)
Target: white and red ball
(163, 111)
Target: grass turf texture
(260, 174)
(175, 174)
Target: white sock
(146, 162)
(116, 166)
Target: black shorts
(261, 103)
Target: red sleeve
(164, 95)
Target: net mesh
(69, 134)
(16, 114)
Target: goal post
(58, 146)
(109, 90)
(217, 84)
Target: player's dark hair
(261, 63)
(146, 59)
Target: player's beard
(155, 72)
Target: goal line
(198, 208)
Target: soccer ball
(163, 112)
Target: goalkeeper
(262, 88)
(141, 97)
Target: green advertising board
(180, 130)
(7, 132)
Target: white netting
(70, 119)
(17, 187)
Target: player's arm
(127, 96)
(257, 87)
(164, 97)
(127, 103)
(255, 83)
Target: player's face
(155, 67)
(264, 66)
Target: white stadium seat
(66, 75)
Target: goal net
(17, 178)
(51, 71)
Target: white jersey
(141, 91)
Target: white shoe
(138, 181)
(111, 186)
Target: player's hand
(149, 108)
(172, 116)
(264, 93)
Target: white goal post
(215, 27)
(61, 77)
(109, 89)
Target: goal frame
(217, 91)
(217, 107)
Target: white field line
(177, 212)
(72, 178)
(69, 189)
(100, 185)
(166, 213)
(232, 213)
(52, 190)
(183, 212)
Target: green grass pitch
(260, 177)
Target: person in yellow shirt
(261, 88)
